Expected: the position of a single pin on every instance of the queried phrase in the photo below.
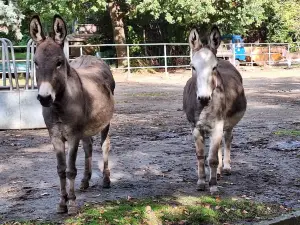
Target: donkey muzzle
(45, 101)
(204, 100)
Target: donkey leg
(228, 139)
(213, 161)
(59, 147)
(71, 175)
(199, 142)
(105, 145)
(88, 150)
(220, 158)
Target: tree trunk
(118, 28)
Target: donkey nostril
(204, 100)
(45, 100)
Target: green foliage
(171, 20)
(10, 20)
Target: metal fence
(163, 57)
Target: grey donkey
(77, 101)
(214, 102)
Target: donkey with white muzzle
(214, 102)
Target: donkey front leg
(213, 161)
(227, 161)
(199, 143)
(59, 147)
(71, 174)
(105, 145)
(88, 150)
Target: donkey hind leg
(227, 161)
(88, 151)
(59, 147)
(213, 161)
(199, 143)
(105, 145)
(220, 165)
(71, 175)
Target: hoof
(200, 186)
(218, 176)
(72, 208)
(61, 209)
(214, 191)
(227, 171)
(84, 185)
(106, 182)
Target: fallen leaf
(218, 199)
(217, 207)
(234, 199)
(207, 206)
(245, 212)
(148, 208)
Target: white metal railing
(258, 53)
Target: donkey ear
(36, 30)
(214, 38)
(59, 30)
(194, 40)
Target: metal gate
(19, 108)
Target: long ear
(194, 40)
(36, 30)
(214, 38)
(59, 30)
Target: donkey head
(50, 61)
(204, 63)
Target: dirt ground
(153, 152)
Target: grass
(288, 133)
(21, 81)
(18, 55)
(171, 211)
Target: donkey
(77, 104)
(214, 102)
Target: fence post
(233, 53)
(128, 61)
(165, 57)
(66, 49)
(251, 51)
(80, 50)
(3, 66)
(270, 54)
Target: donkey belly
(99, 120)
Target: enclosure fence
(163, 57)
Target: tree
(10, 19)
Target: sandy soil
(153, 152)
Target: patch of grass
(21, 81)
(170, 211)
(288, 132)
(182, 210)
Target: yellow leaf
(245, 212)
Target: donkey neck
(71, 95)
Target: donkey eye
(58, 64)
(214, 68)
(193, 68)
